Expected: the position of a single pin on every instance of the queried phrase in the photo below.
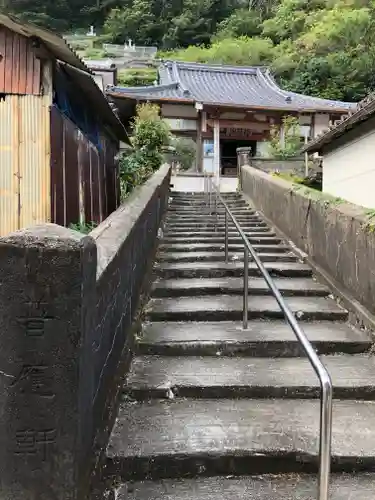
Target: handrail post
(325, 438)
(209, 192)
(226, 238)
(245, 287)
(216, 216)
(206, 191)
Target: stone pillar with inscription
(47, 279)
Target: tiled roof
(227, 85)
(364, 110)
(171, 90)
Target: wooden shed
(58, 134)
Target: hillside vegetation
(319, 47)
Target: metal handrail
(325, 440)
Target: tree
(149, 134)
(334, 54)
(241, 51)
(242, 22)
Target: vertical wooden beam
(199, 160)
(312, 129)
(217, 148)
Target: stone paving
(212, 411)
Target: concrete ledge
(113, 231)
(335, 235)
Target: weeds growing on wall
(150, 133)
(83, 227)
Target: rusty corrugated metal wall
(83, 180)
(24, 161)
(20, 69)
(9, 167)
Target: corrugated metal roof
(56, 45)
(74, 66)
(227, 85)
(86, 82)
(365, 110)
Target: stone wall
(67, 302)
(337, 236)
(292, 166)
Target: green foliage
(185, 151)
(242, 22)
(291, 143)
(240, 51)
(94, 54)
(137, 77)
(314, 181)
(287, 176)
(150, 135)
(369, 224)
(83, 227)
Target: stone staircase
(211, 411)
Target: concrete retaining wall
(293, 166)
(67, 302)
(336, 235)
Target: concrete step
(211, 226)
(234, 202)
(202, 204)
(193, 211)
(353, 377)
(220, 257)
(176, 219)
(202, 194)
(204, 198)
(260, 239)
(180, 437)
(234, 286)
(255, 232)
(170, 270)
(262, 338)
(229, 308)
(264, 487)
(219, 247)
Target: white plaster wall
(196, 184)
(179, 110)
(321, 123)
(182, 124)
(349, 171)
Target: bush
(94, 54)
(185, 151)
(150, 135)
(137, 77)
